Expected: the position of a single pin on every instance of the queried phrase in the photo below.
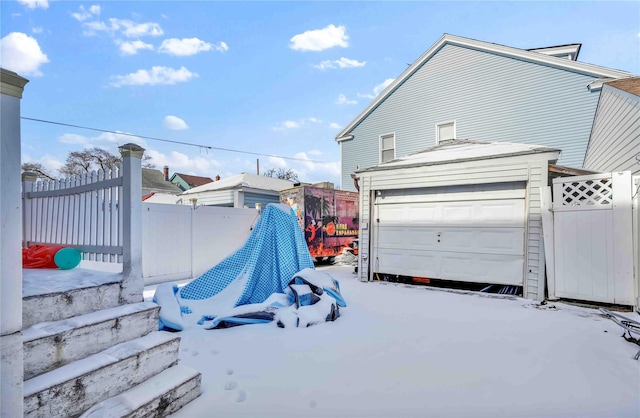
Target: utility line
(206, 147)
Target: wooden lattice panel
(588, 192)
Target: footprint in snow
(214, 352)
(195, 353)
(241, 396)
(313, 404)
(229, 372)
(230, 385)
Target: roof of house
(193, 181)
(517, 53)
(252, 181)
(154, 180)
(459, 150)
(630, 85)
(155, 197)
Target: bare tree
(38, 169)
(86, 161)
(283, 174)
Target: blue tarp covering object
(270, 278)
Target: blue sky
(273, 78)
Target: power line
(206, 147)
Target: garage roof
(459, 150)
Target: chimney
(218, 177)
(166, 173)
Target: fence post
(132, 285)
(28, 178)
(11, 353)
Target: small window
(445, 130)
(387, 147)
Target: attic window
(445, 130)
(387, 147)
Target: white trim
(393, 134)
(535, 57)
(344, 138)
(563, 51)
(438, 125)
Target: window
(445, 130)
(387, 147)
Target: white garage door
(463, 233)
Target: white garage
(461, 211)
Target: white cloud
(314, 172)
(84, 14)
(314, 120)
(277, 162)
(124, 27)
(320, 39)
(342, 99)
(37, 30)
(287, 124)
(157, 75)
(341, 63)
(32, 4)
(378, 89)
(132, 47)
(175, 123)
(22, 54)
(108, 140)
(334, 125)
(315, 152)
(180, 162)
(188, 46)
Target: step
(159, 396)
(58, 305)
(48, 345)
(75, 387)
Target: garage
(461, 211)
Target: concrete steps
(77, 386)
(49, 345)
(56, 306)
(86, 352)
(161, 395)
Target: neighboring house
(465, 211)
(166, 198)
(186, 181)
(154, 181)
(241, 190)
(470, 89)
(615, 137)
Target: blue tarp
(256, 277)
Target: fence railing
(98, 213)
(82, 212)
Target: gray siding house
(469, 89)
(615, 137)
(241, 190)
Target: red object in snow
(40, 257)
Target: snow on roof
(166, 198)
(462, 150)
(252, 181)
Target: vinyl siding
(532, 169)
(615, 137)
(491, 98)
(250, 199)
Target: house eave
(562, 63)
(459, 160)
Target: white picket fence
(90, 213)
(82, 212)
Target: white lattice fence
(81, 212)
(593, 238)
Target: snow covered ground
(412, 351)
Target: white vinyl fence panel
(593, 238)
(81, 212)
(180, 242)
